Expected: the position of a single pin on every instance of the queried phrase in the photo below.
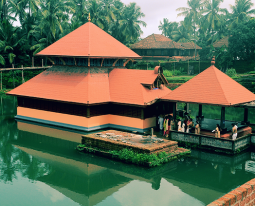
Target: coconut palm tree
(192, 13)
(241, 12)
(9, 40)
(130, 23)
(80, 11)
(183, 32)
(212, 14)
(52, 15)
(163, 26)
(168, 27)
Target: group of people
(167, 123)
(218, 129)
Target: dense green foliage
(206, 22)
(28, 26)
(242, 41)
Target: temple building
(89, 88)
(157, 46)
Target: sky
(156, 10)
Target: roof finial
(89, 18)
(213, 60)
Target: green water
(39, 166)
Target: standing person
(217, 131)
(179, 125)
(183, 127)
(172, 123)
(169, 126)
(234, 131)
(189, 125)
(185, 123)
(160, 122)
(197, 128)
(165, 125)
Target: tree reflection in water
(38, 154)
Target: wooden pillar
(174, 110)
(33, 62)
(199, 65)
(222, 119)
(88, 112)
(187, 107)
(42, 62)
(200, 110)
(188, 67)
(245, 119)
(22, 75)
(13, 76)
(142, 113)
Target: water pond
(39, 166)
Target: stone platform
(117, 140)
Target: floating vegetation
(129, 156)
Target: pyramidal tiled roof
(190, 45)
(156, 41)
(211, 87)
(92, 85)
(221, 42)
(89, 41)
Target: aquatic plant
(130, 156)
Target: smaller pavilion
(212, 87)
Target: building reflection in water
(88, 179)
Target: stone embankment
(241, 196)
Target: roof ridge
(89, 39)
(214, 70)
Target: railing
(22, 69)
(219, 143)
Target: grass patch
(129, 156)
(179, 79)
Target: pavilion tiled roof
(89, 41)
(221, 42)
(211, 87)
(156, 41)
(190, 45)
(92, 85)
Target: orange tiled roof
(156, 41)
(90, 86)
(185, 58)
(211, 87)
(190, 45)
(221, 42)
(89, 41)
